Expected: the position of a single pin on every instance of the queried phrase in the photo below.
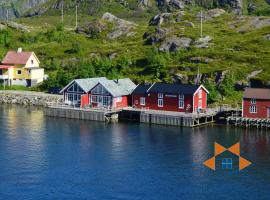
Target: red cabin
(256, 103)
(99, 92)
(170, 97)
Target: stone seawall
(28, 98)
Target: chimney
(19, 50)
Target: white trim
(242, 107)
(150, 87)
(201, 86)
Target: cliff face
(16, 8)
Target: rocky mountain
(17, 8)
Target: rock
(157, 36)
(144, 4)
(179, 16)
(29, 98)
(15, 26)
(254, 23)
(188, 24)
(117, 21)
(236, 6)
(267, 37)
(180, 78)
(198, 60)
(210, 14)
(203, 42)
(160, 19)
(174, 44)
(92, 29)
(240, 85)
(220, 76)
(2, 27)
(254, 73)
(171, 5)
(113, 56)
(121, 27)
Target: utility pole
(201, 23)
(76, 17)
(7, 15)
(62, 12)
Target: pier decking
(136, 115)
(81, 113)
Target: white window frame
(160, 95)
(142, 101)
(181, 103)
(160, 103)
(181, 97)
(253, 109)
(200, 104)
(253, 101)
(200, 93)
(93, 98)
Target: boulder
(188, 24)
(175, 43)
(2, 27)
(253, 23)
(210, 14)
(144, 4)
(180, 78)
(160, 19)
(254, 73)
(203, 42)
(92, 29)
(179, 16)
(171, 5)
(236, 6)
(15, 26)
(267, 37)
(157, 36)
(220, 76)
(121, 27)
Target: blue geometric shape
(226, 163)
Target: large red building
(170, 97)
(99, 92)
(256, 103)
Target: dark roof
(141, 89)
(257, 93)
(166, 88)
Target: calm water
(49, 158)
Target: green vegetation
(66, 55)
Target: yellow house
(21, 68)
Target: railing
(78, 107)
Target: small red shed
(170, 97)
(256, 103)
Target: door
(268, 112)
(100, 101)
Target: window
(200, 104)
(93, 99)
(181, 96)
(181, 103)
(107, 101)
(19, 71)
(118, 99)
(32, 62)
(160, 95)
(200, 93)
(142, 101)
(160, 102)
(253, 109)
(253, 101)
(226, 163)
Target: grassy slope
(241, 53)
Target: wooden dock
(103, 115)
(249, 122)
(168, 117)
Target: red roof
(14, 58)
(5, 66)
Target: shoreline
(28, 98)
